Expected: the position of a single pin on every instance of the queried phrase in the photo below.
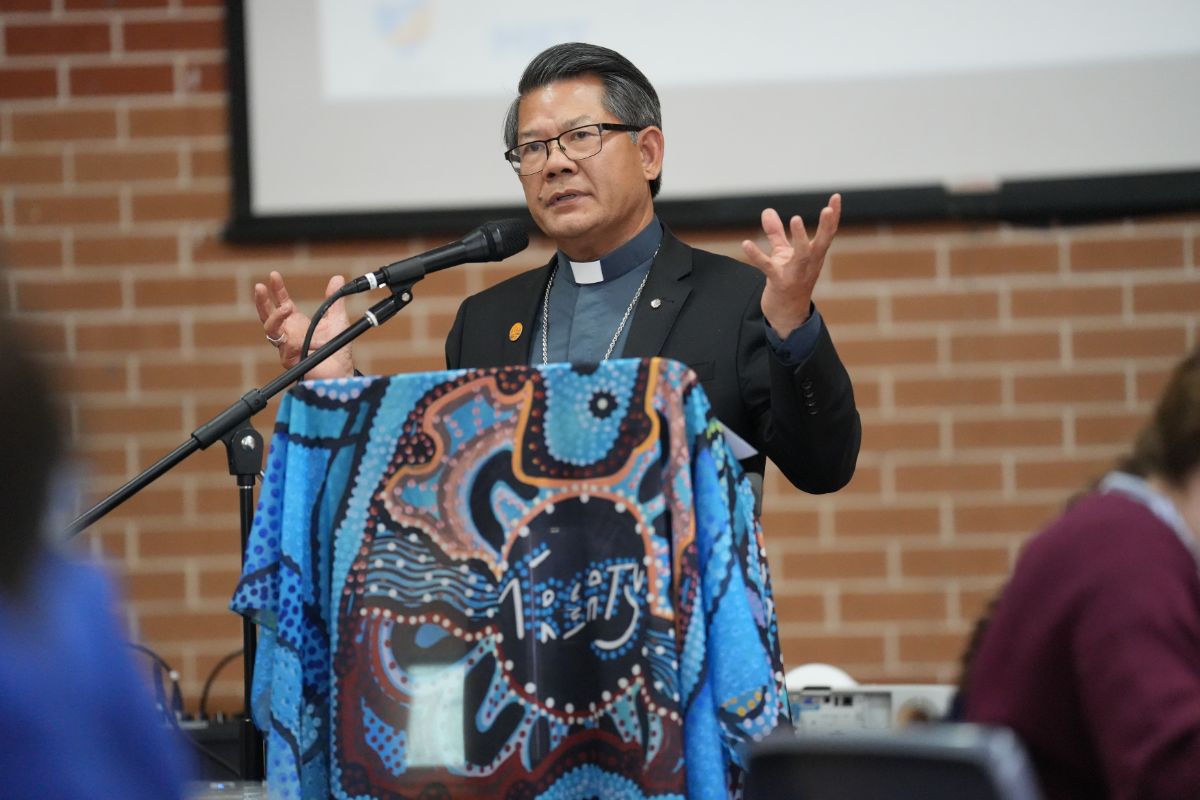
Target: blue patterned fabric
(509, 583)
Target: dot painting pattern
(519, 582)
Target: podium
(509, 583)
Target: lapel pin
(655, 303)
(514, 332)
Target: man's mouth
(565, 197)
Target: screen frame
(1067, 200)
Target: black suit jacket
(803, 418)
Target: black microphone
(491, 241)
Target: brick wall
(997, 368)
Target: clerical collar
(635, 252)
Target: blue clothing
(75, 719)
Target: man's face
(592, 206)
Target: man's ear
(651, 145)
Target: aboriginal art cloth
(509, 583)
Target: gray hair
(628, 94)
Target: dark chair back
(942, 761)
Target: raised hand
(793, 266)
(285, 327)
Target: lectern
(514, 582)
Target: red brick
(843, 650)
(174, 36)
(1173, 297)
(124, 337)
(946, 307)
(868, 394)
(25, 84)
(46, 337)
(1150, 384)
(122, 80)
(1005, 347)
(893, 606)
(789, 524)
(1007, 433)
(30, 169)
(849, 310)
(1104, 387)
(189, 626)
(1057, 303)
(105, 251)
(106, 462)
(181, 121)
(974, 603)
(886, 265)
(932, 646)
(157, 377)
(218, 584)
(57, 296)
(866, 480)
(832, 564)
(800, 606)
(1067, 474)
(186, 292)
(31, 253)
(887, 521)
(169, 206)
(155, 585)
(112, 377)
(67, 209)
(985, 260)
(942, 392)
(137, 419)
(191, 539)
(883, 352)
(65, 125)
(202, 78)
(1108, 429)
(11, 6)
(1130, 342)
(104, 5)
(211, 250)
(56, 39)
(890, 436)
(125, 166)
(1126, 253)
(1008, 517)
(953, 562)
(210, 163)
(949, 478)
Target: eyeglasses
(576, 144)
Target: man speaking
(584, 138)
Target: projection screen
(365, 117)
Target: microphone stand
(244, 448)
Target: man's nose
(556, 159)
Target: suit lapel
(668, 285)
(521, 307)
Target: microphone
(491, 241)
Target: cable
(212, 676)
(172, 718)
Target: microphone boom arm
(247, 406)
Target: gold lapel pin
(515, 331)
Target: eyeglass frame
(603, 126)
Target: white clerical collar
(637, 251)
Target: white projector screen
(358, 117)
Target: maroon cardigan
(1092, 655)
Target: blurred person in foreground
(76, 721)
(1091, 653)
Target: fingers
(755, 256)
